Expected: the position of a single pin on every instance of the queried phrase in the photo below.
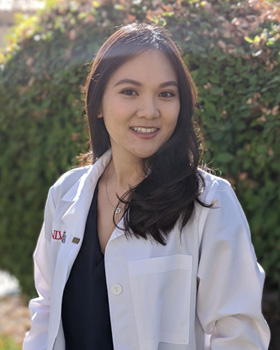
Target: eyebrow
(137, 83)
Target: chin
(144, 155)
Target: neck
(123, 173)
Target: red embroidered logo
(57, 235)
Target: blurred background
(232, 49)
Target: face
(140, 105)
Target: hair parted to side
(172, 187)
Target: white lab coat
(201, 292)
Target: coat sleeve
(36, 338)
(230, 281)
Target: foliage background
(7, 343)
(232, 49)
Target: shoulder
(71, 176)
(220, 194)
(76, 179)
(212, 186)
(67, 180)
(226, 210)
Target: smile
(141, 130)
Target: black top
(85, 308)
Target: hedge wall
(232, 49)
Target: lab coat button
(116, 289)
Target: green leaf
(224, 157)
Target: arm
(36, 339)
(230, 280)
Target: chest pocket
(161, 294)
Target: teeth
(144, 130)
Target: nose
(148, 108)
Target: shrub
(7, 343)
(232, 50)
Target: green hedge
(7, 343)
(232, 49)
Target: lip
(149, 135)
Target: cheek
(177, 113)
(117, 110)
(172, 113)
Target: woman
(144, 250)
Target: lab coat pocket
(161, 293)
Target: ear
(99, 115)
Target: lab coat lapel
(80, 196)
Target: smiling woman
(140, 113)
(142, 249)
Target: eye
(166, 94)
(129, 92)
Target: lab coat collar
(88, 179)
(79, 197)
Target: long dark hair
(170, 190)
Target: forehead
(148, 67)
